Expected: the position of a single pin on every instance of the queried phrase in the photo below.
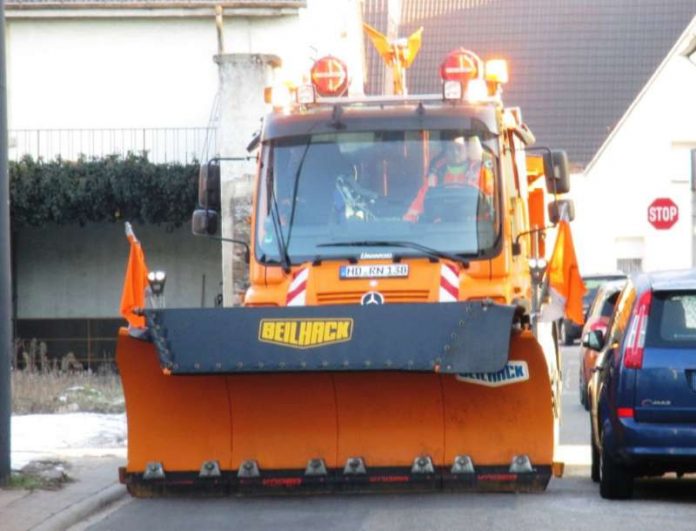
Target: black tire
(615, 479)
(594, 468)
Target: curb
(81, 510)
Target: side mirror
(204, 222)
(209, 186)
(556, 208)
(557, 172)
(594, 340)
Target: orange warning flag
(133, 295)
(566, 287)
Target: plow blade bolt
(463, 465)
(153, 470)
(210, 469)
(521, 464)
(249, 469)
(423, 465)
(355, 466)
(315, 467)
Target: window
(324, 195)
(672, 321)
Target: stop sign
(663, 213)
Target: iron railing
(162, 144)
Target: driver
(462, 164)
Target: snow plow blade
(460, 337)
(458, 418)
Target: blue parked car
(643, 393)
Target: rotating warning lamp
(461, 65)
(330, 76)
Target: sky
(35, 437)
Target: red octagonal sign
(663, 213)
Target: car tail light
(625, 412)
(633, 356)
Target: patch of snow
(71, 434)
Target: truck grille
(390, 296)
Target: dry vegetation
(58, 392)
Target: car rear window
(672, 321)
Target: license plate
(374, 271)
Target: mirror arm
(247, 248)
(516, 249)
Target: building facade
(99, 77)
(635, 200)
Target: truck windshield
(436, 189)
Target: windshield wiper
(295, 184)
(429, 251)
(275, 219)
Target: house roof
(685, 45)
(575, 66)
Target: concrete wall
(647, 157)
(76, 272)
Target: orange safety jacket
(467, 173)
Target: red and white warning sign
(663, 213)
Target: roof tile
(575, 67)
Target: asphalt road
(571, 502)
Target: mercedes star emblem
(372, 297)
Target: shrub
(112, 188)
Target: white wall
(110, 73)
(647, 157)
(325, 27)
(155, 72)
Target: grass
(26, 481)
(40, 475)
(56, 392)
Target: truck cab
(418, 198)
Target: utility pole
(5, 273)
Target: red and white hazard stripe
(297, 291)
(449, 283)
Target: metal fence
(162, 144)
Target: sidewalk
(94, 486)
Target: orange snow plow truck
(388, 339)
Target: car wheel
(565, 339)
(594, 470)
(615, 480)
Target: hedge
(112, 189)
